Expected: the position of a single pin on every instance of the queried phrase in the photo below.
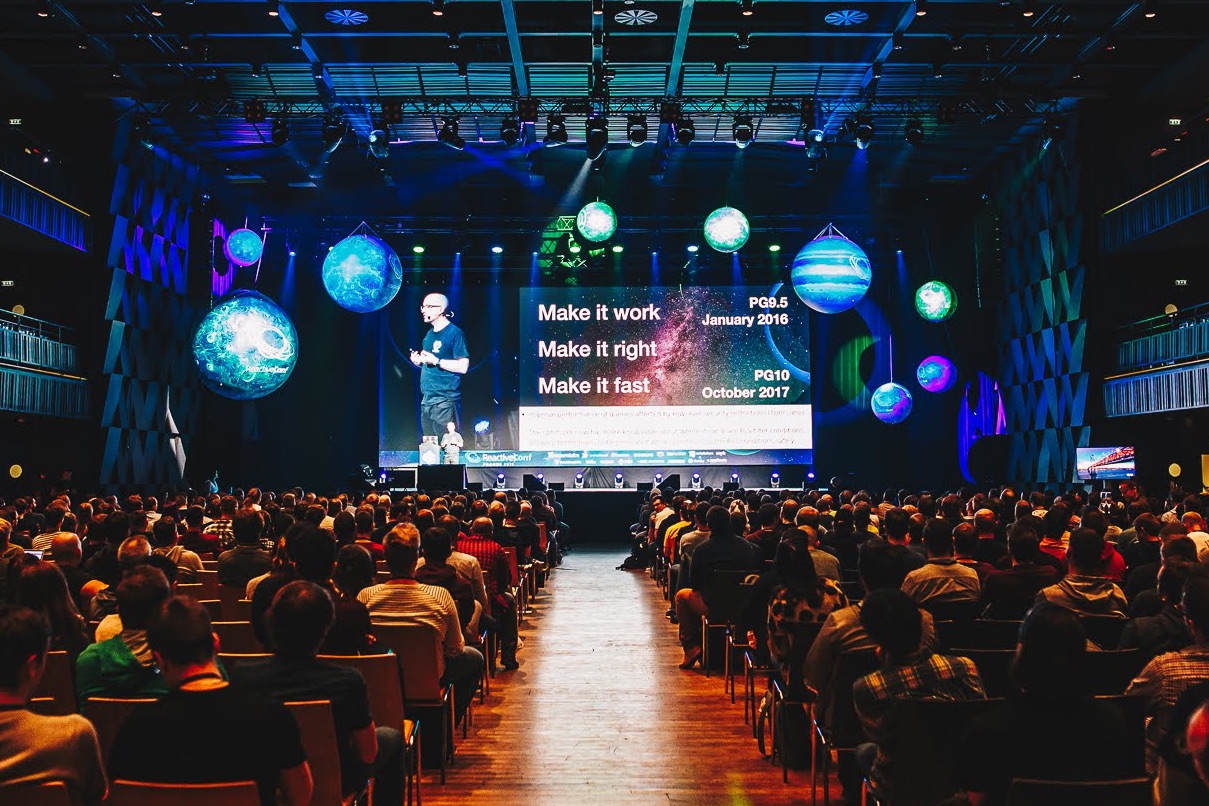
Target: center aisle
(599, 713)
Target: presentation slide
(1104, 463)
(665, 375)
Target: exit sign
(7, 283)
(14, 121)
(1175, 121)
(1181, 282)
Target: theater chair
(236, 637)
(385, 689)
(107, 715)
(58, 683)
(845, 731)
(727, 596)
(51, 793)
(1128, 792)
(792, 691)
(318, 730)
(135, 793)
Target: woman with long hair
(40, 586)
(801, 596)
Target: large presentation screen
(664, 375)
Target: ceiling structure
(977, 76)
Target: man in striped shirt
(402, 600)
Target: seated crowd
(1105, 603)
(115, 588)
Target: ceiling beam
(676, 67)
(514, 48)
(324, 82)
(905, 18)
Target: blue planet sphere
(362, 274)
(726, 229)
(891, 403)
(245, 347)
(936, 374)
(244, 247)
(831, 274)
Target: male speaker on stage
(442, 362)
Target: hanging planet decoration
(244, 247)
(596, 221)
(891, 403)
(245, 347)
(936, 374)
(935, 301)
(831, 274)
(726, 229)
(362, 273)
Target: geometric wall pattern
(1042, 326)
(152, 393)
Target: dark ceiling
(979, 76)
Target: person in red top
(1114, 563)
(364, 535)
(195, 539)
(497, 575)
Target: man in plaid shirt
(911, 671)
(1169, 675)
(497, 574)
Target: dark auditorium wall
(1043, 327)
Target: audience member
(165, 538)
(803, 595)
(826, 564)
(497, 574)
(204, 729)
(910, 671)
(37, 749)
(299, 619)
(942, 578)
(222, 528)
(1050, 688)
(723, 551)
(437, 571)
(898, 534)
(247, 559)
(42, 588)
(1084, 589)
(1010, 593)
(1166, 631)
(121, 663)
(990, 549)
(67, 552)
(402, 600)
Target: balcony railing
(39, 366)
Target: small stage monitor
(556, 486)
(474, 486)
(533, 483)
(671, 484)
(1104, 463)
(730, 486)
(645, 486)
(442, 477)
(401, 478)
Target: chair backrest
(421, 659)
(801, 637)
(43, 706)
(58, 683)
(543, 537)
(993, 634)
(925, 739)
(853, 589)
(194, 589)
(209, 582)
(382, 681)
(959, 611)
(237, 637)
(229, 595)
(318, 729)
(994, 666)
(510, 553)
(727, 596)
(1128, 792)
(229, 659)
(846, 730)
(1112, 670)
(1105, 631)
(1134, 710)
(136, 793)
(51, 793)
(107, 715)
(209, 565)
(213, 608)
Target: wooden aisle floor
(599, 713)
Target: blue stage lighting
(776, 479)
(618, 481)
(579, 481)
(658, 479)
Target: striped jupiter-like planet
(831, 274)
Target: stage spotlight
(417, 250)
(810, 474)
(696, 481)
(449, 133)
(556, 131)
(618, 249)
(573, 245)
(774, 247)
(921, 8)
(579, 481)
(482, 427)
(734, 477)
(861, 127)
(618, 481)
(636, 129)
(775, 479)
(597, 137)
(280, 132)
(541, 478)
(157, 8)
(914, 131)
(379, 142)
(497, 250)
(334, 127)
(748, 7)
(658, 479)
(274, 8)
(1148, 9)
(317, 72)
(685, 131)
(742, 130)
(814, 144)
(510, 131)
(500, 481)
(743, 40)
(1028, 9)
(438, 8)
